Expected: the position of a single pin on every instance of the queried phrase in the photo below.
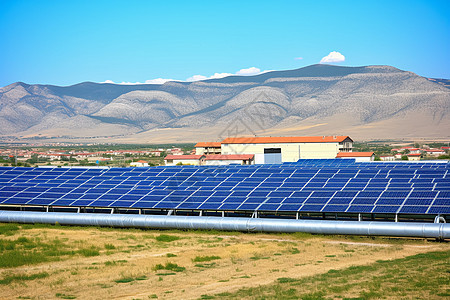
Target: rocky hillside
(373, 102)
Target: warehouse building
(275, 150)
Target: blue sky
(67, 42)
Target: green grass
(110, 247)
(171, 255)
(205, 258)
(167, 238)
(8, 229)
(29, 251)
(421, 276)
(87, 252)
(7, 279)
(169, 266)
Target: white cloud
(197, 78)
(298, 58)
(333, 57)
(107, 81)
(248, 72)
(158, 81)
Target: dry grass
(143, 264)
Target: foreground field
(56, 262)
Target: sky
(68, 42)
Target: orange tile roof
(230, 157)
(354, 154)
(208, 144)
(196, 157)
(285, 139)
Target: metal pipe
(423, 230)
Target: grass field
(62, 262)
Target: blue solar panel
(289, 207)
(319, 184)
(334, 208)
(360, 208)
(385, 209)
(413, 209)
(311, 208)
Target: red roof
(354, 154)
(208, 144)
(230, 157)
(184, 157)
(414, 154)
(285, 139)
(142, 161)
(445, 148)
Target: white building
(139, 163)
(287, 149)
(387, 157)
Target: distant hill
(372, 102)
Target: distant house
(434, 152)
(414, 156)
(358, 156)
(208, 148)
(156, 152)
(414, 150)
(241, 159)
(139, 163)
(172, 160)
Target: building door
(272, 155)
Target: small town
(202, 153)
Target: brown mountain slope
(373, 102)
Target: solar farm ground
(62, 262)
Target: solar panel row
(305, 186)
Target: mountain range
(366, 103)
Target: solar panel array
(337, 186)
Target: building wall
(199, 150)
(290, 152)
(413, 157)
